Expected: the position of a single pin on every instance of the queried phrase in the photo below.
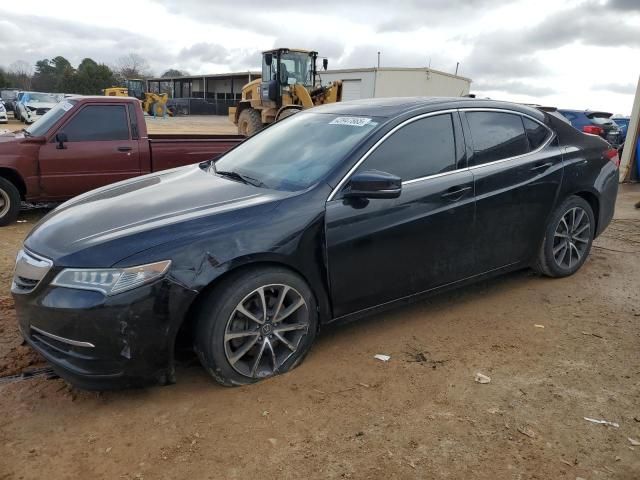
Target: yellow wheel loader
(152, 103)
(288, 85)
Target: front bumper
(97, 342)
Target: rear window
(536, 133)
(496, 136)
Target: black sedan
(330, 214)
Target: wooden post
(632, 137)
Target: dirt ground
(556, 351)
(212, 124)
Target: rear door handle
(541, 166)
(124, 149)
(455, 193)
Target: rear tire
(9, 202)
(249, 122)
(568, 238)
(241, 340)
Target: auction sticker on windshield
(351, 121)
(66, 106)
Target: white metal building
(396, 82)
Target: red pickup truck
(88, 142)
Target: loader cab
(282, 68)
(135, 88)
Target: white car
(3, 113)
(33, 105)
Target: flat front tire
(568, 238)
(256, 324)
(9, 202)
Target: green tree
(3, 79)
(48, 73)
(93, 77)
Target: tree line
(58, 75)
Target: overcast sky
(567, 53)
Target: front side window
(98, 123)
(496, 136)
(421, 148)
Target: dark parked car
(595, 123)
(623, 124)
(330, 214)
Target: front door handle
(541, 166)
(124, 149)
(455, 193)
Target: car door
(99, 151)
(380, 250)
(517, 168)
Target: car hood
(40, 104)
(104, 226)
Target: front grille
(30, 270)
(42, 111)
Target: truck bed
(175, 150)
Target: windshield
(44, 123)
(41, 98)
(298, 66)
(298, 152)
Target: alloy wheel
(265, 330)
(571, 237)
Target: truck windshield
(298, 66)
(298, 152)
(44, 123)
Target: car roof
(396, 106)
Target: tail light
(612, 155)
(593, 130)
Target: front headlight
(110, 280)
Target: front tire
(568, 238)
(249, 122)
(256, 324)
(9, 202)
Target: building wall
(401, 82)
(424, 82)
(367, 79)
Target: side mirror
(268, 59)
(374, 184)
(325, 63)
(61, 138)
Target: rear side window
(496, 136)
(96, 123)
(536, 133)
(422, 148)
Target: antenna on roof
(457, 65)
(378, 59)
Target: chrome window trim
(75, 343)
(513, 112)
(336, 190)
